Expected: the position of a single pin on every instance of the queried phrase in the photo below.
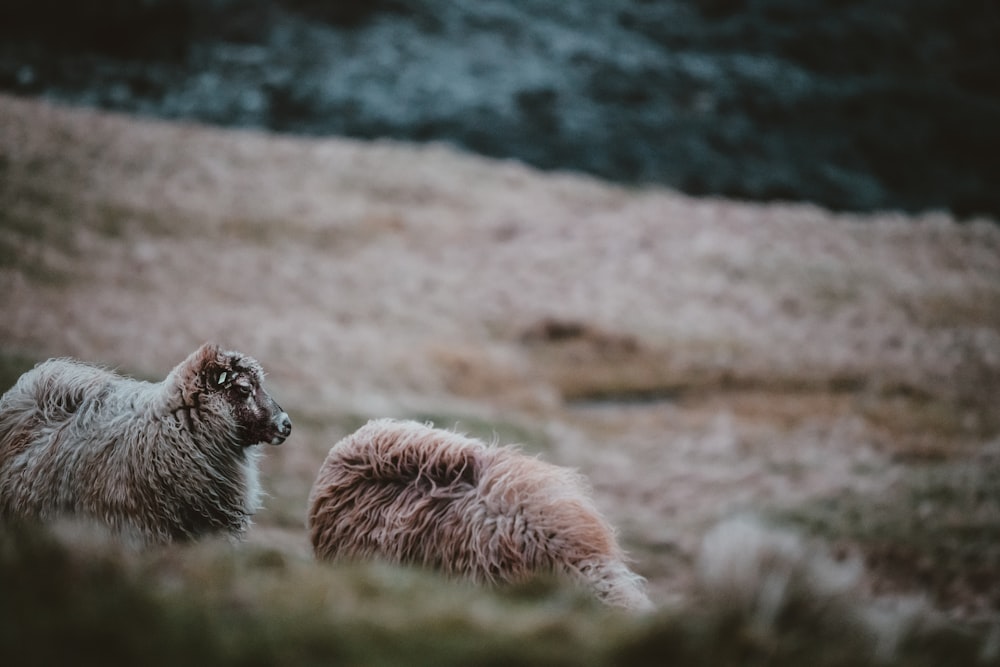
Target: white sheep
(154, 462)
(411, 494)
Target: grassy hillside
(696, 359)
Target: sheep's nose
(284, 424)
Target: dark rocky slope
(853, 104)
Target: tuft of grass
(936, 531)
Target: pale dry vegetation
(694, 358)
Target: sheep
(408, 493)
(153, 462)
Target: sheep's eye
(244, 389)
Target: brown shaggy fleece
(409, 493)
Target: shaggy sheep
(408, 493)
(170, 461)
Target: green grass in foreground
(222, 605)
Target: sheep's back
(39, 441)
(42, 399)
(413, 494)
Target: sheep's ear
(212, 372)
(216, 376)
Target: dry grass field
(697, 359)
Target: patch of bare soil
(694, 358)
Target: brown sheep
(156, 463)
(411, 494)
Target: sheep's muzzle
(283, 427)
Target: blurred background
(853, 104)
(830, 365)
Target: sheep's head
(233, 382)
